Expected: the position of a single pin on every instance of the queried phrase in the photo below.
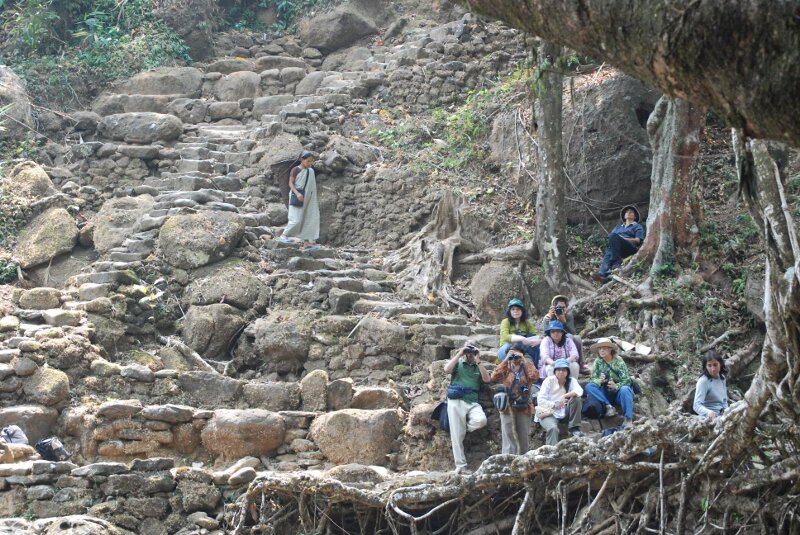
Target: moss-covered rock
(49, 234)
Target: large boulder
(117, 220)
(191, 241)
(29, 181)
(276, 149)
(608, 156)
(36, 420)
(337, 28)
(238, 85)
(210, 329)
(19, 120)
(47, 386)
(184, 81)
(140, 127)
(233, 434)
(194, 21)
(233, 283)
(381, 334)
(493, 286)
(49, 234)
(356, 436)
(282, 346)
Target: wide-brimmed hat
(632, 207)
(605, 342)
(559, 298)
(515, 303)
(555, 325)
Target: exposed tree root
(425, 264)
(641, 478)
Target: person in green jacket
(611, 382)
(517, 328)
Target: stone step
(444, 329)
(412, 319)
(109, 266)
(390, 309)
(488, 341)
(127, 256)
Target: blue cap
(555, 325)
(515, 303)
(561, 363)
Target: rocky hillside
(186, 357)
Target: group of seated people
(537, 380)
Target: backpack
(440, 414)
(51, 449)
(593, 409)
(13, 434)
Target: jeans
(531, 352)
(623, 396)
(617, 249)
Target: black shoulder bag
(293, 200)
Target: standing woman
(303, 219)
(711, 392)
(518, 377)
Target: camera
(559, 311)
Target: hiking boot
(610, 411)
(597, 277)
(577, 433)
(626, 422)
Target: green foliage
(8, 271)
(243, 15)
(110, 40)
(12, 216)
(31, 25)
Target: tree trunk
(551, 233)
(760, 166)
(739, 58)
(674, 214)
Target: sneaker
(627, 422)
(311, 248)
(602, 279)
(463, 471)
(610, 411)
(284, 239)
(577, 433)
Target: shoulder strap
(307, 171)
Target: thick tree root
(645, 478)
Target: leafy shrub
(243, 14)
(110, 40)
(8, 271)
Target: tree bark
(739, 58)
(551, 233)
(674, 213)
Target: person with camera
(711, 392)
(557, 345)
(517, 328)
(559, 400)
(514, 399)
(611, 383)
(559, 310)
(463, 410)
(623, 241)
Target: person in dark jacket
(624, 241)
